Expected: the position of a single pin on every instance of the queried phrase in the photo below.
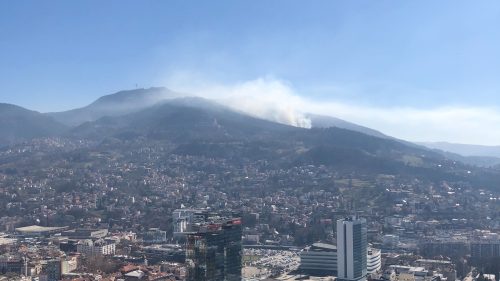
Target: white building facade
(373, 261)
(98, 247)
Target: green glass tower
(214, 252)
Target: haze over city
(420, 71)
(263, 140)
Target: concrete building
(165, 252)
(407, 273)
(185, 218)
(352, 248)
(85, 233)
(320, 259)
(178, 269)
(444, 267)
(51, 270)
(373, 261)
(69, 264)
(450, 247)
(98, 247)
(487, 248)
(154, 235)
(390, 240)
(12, 264)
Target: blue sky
(422, 55)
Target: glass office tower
(352, 248)
(214, 252)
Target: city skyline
(264, 140)
(434, 69)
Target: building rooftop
(135, 274)
(434, 261)
(324, 246)
(37, 228)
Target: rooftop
(37, 228)
(324, 246)
(135, 274)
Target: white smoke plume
(264, 98)
(275, 100)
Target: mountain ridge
(200, 127)
(465, 149)
(323, 121)
(478, 155)
(128, 101)
(115, 104)
(21, 124)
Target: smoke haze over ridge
(277, 100)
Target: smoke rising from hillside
(276, 100)
(265, 98)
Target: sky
(418, 70)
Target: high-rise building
(352, 248)
(214, 252)
(51, 270)
(184, 219)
